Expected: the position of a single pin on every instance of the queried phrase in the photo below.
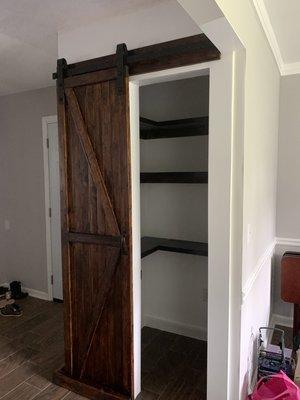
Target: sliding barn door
(96, 235)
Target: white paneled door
(54, 210)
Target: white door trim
(45, 122)
(219, 215)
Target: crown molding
(291, 69)
(269, 31)
(284, 68)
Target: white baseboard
(32, 292)
(277, 319)
(192, 331)
(37, 293)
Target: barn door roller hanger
(121, 65)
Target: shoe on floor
(16, 291)
(11, 310)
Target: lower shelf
(174, 177)
(151, 244)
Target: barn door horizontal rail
(106, 240)
(175, 53)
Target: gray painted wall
(288, 191)
(288, 198)
(23, 247)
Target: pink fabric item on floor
(276, 387)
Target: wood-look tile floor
(173, 366)
(31, 348)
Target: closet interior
(174, 229)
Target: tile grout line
(49, 383)
(41, 392)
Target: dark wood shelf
(174, 177)
(150, 129)
(151, 244)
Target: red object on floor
(278, 386)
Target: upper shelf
(150, 129)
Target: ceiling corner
(270, 34)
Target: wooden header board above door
(175, 53)
(93, 122)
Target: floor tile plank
(52, 392)
(32, 347)
(146, 395)
(16, 377)
(22, 392)
(15, 360)
(75, 396)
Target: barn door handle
(124, 248)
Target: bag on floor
(276, 387)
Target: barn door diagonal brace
(122, 67)
(92, 160)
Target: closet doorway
(174, 235)
(211, 301)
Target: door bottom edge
(61, 378)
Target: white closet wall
(174, 285)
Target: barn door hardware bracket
(62, 67)
(122, 67)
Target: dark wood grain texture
(96, 232)
(174, 177)
(150, 245)
(76, 237)
(175, 53)
(91, 157)
(150, 129)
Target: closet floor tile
(173, 366)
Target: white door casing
(219, 223)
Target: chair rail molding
(259, 266)
(283, 241)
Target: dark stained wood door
(96, 215)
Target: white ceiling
(281, 22)
(28, 35)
